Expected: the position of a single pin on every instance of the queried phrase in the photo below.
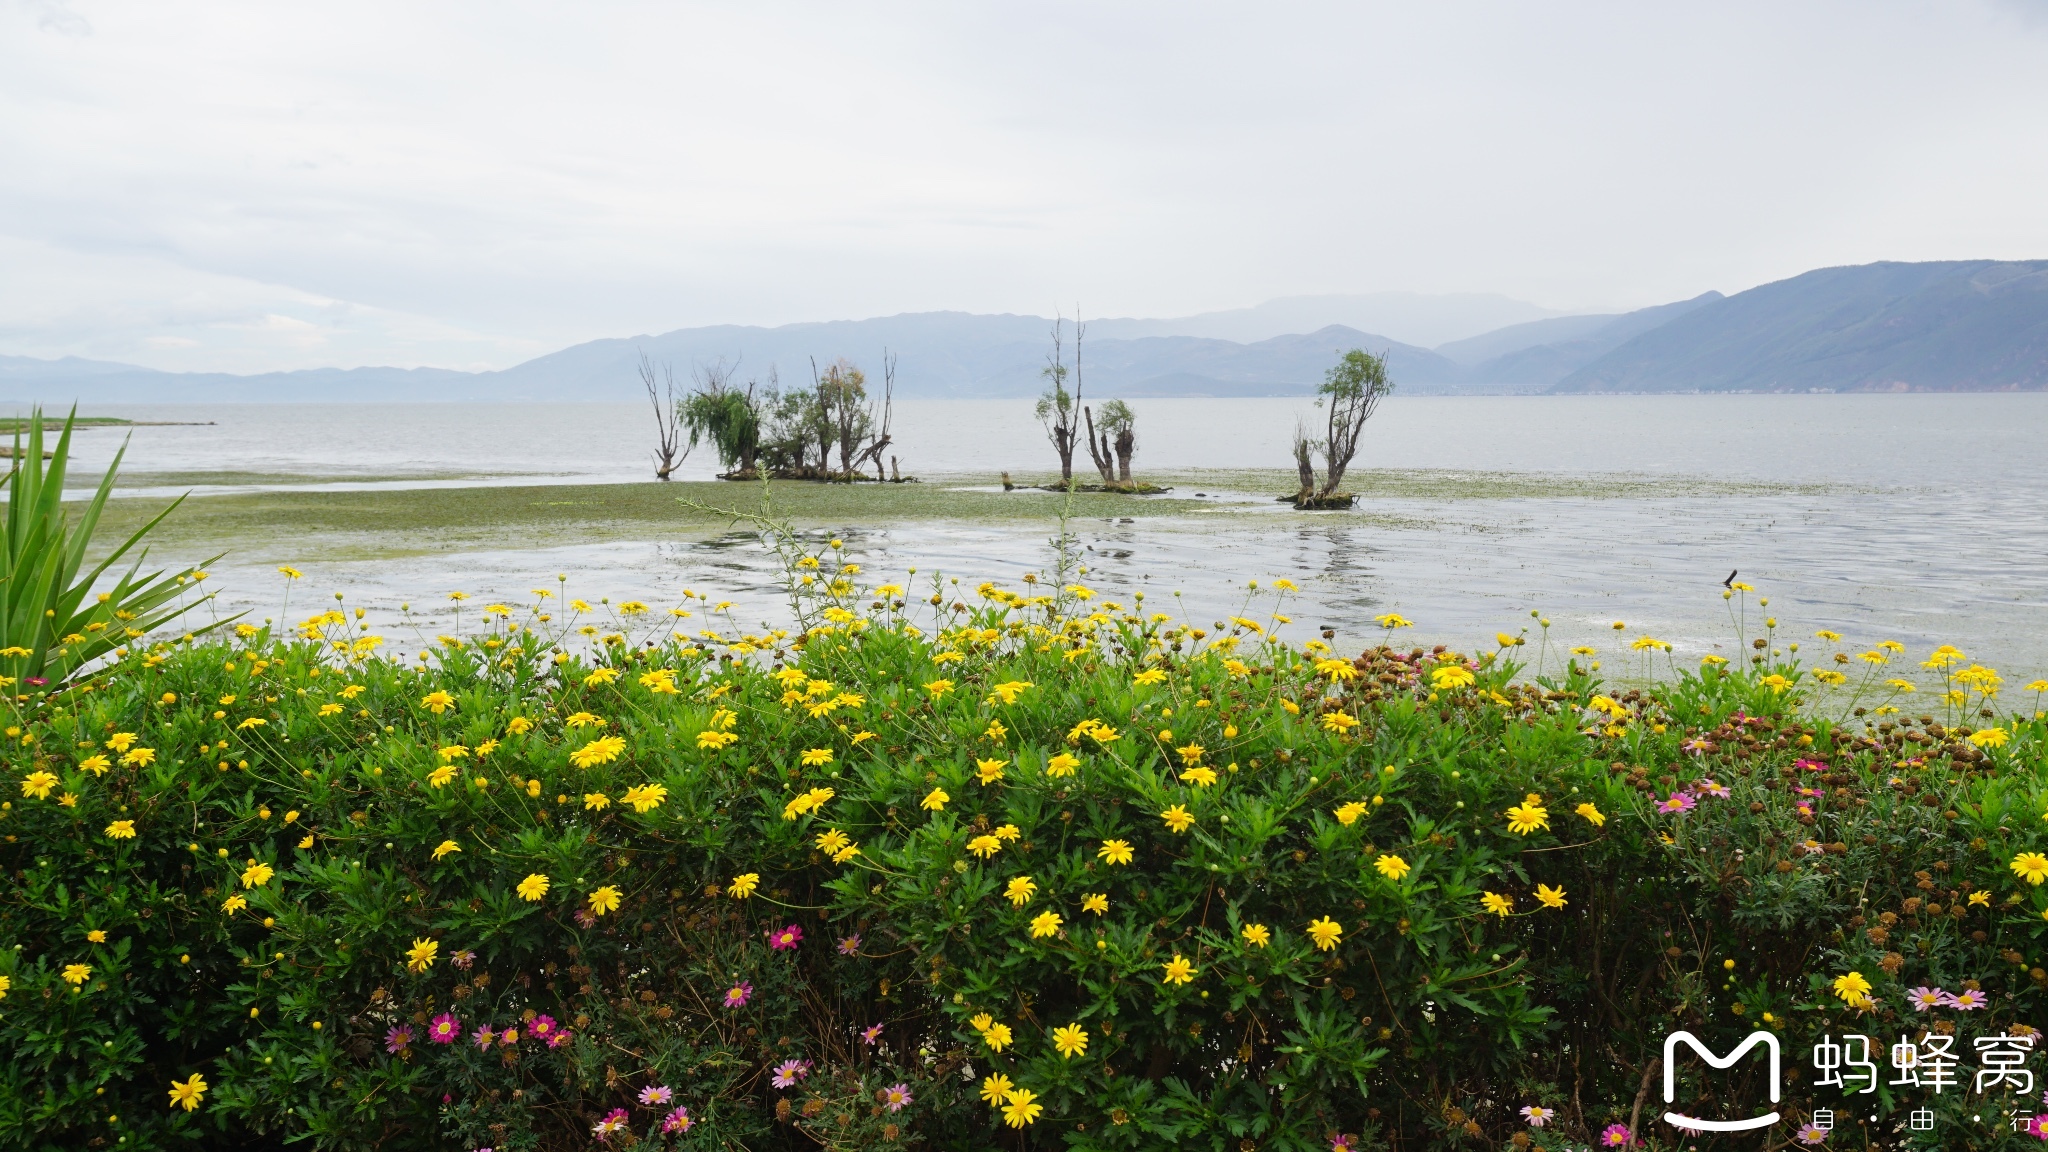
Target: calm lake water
(1919, 517)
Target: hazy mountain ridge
(1955, 325)
(1947, 326)
(1423, 320)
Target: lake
(1911, 517)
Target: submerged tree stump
(1334, 502)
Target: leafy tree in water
(1112, 441)
(1057, 407)
(1354, 389)
(727, 416)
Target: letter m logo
(1692, 1124)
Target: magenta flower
(584, 919)
(612, 1122)
(1711, 788)
(485, 1037)
(738, 995)
(789, 1072)
(543, 1028)
(870, 1034)
(1967, 1000)
(1813, 792)
(1537, 1115)
(1343, 1142)
(463, 958)
(785, 938)
(2038, 1127)
(1679, 803)
(1616, 1136)
(677, 1121)
(1809, 1134)
(1923, 998)
(1809, 765)
(849, 945)
(398, 1039)
(895, 1097)
(1696, 745)
(656, 1094)
(558, 1037)
(445, 1029)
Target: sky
(243, 186)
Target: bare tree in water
(879, 420)
(1354, 389)
(856, 423)
(1057, 407)
(668, 416)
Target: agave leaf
(52, 622)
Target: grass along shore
(364, 524)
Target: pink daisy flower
(558, 1037)
(789, 1072)
(870, 1034)
(1712, 788)
(1343, 1142)
(612, 1122)
(895, 1097)
(445, 1029)
(1967, 1000)
(1537, 1115)
(1616, 1136)
(849, 945)
(738, 995)
(677, 1121)
(655, 1095)
(463, 958)
(485, 1037)
(542, 1027)
(2038, 1127)
(398, 1039)
(1809, 1134)
(1923, 998)
(785, 938)
(1679, 803)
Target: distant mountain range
(1949, 326)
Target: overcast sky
(252, 185)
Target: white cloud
(467, 184)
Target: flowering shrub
(1041, 870)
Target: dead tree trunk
(1126, 447)
(1098, 448)
(872, 454)
(668, 419)
(1304, 463)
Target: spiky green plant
(52, 623)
